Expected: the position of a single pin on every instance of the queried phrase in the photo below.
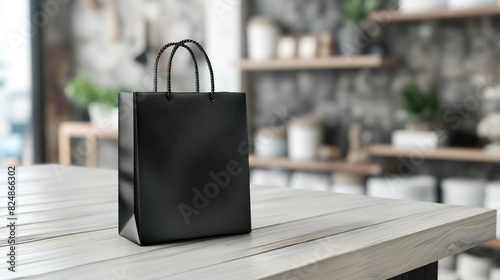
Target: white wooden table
(68, 217)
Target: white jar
(470, 267)
(495, 274)
(347, 184)
(305, 136)
(416, 6)
(422, 188)
(492, 200)
(468, 4)
(310, 181)
(262, 38)
(270, 142)
(463, 191)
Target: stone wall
(117, 41)
(460, 56)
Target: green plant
(83, 91)
(421, 105)
(357, 10)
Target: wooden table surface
(68, 230)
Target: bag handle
(169, 86)
(162, 50)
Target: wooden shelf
(455, 154)
(334, 62)
(372, 169)
(493, 244)
(394, 16)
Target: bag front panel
(192, 166)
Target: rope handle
(162, 50)
(169, 85)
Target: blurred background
(396, 99)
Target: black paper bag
(183, 162)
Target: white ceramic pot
(492, 200)
(463, 191)
(424, 140)
(470, 4)
(262, 38)
(422, 188)
(446, 274)
(305, 136)
(495, 274)
(103, 116)
(356, 189)
(270, 142)
(310, 181)
(470, 267)
(287, 47)
(415, 6)
(447, 263)
(274, 178)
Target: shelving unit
(334, 62)
(372, 169)
(455, 154)
(396, 16)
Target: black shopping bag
(183, 162)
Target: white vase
(463, 191)
(262, 38)
(103, 116)
(305, 136)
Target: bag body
(183, 165)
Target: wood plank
(396, 16)
(493, 244)
(262, 240)
(335, 62)
(83, 129)
(455, 154)
(356, 236)
(349, 254)
(373, 169)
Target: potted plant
(102, 102)
(353, 40)
(422, 107)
